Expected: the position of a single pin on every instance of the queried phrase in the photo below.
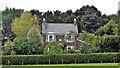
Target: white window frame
(48, 38)
(71, 47)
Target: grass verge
(90, 65)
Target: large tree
(21, 26)
(7, 16)
(89, 19)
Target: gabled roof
(59, 28)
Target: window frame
(48, 38)
(70, 47)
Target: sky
(105, 6)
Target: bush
(8, 47)
(90, 42)
(109, 43)
(53, 49)
(77, 51)
(24, 46)
(62, 59)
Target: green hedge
(61, 59)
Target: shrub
(8, 47)
(24, 46)
(109, 43)
(62, 59)
(77, 51)
(90, 41)
(53, 49)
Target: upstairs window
(50, 38)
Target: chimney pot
(75, 21)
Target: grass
(90, 65)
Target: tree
(21, 26)
(89, 19)
(108, 29)
(57, 13)
(35, 12)
(7, 16)
(34, 33)
(57, 16)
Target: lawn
(91, 65)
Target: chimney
(45, 23)
(118, 14)
(75, 21)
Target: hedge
(61, 59)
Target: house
(64, 33)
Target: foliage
(21, 26)
(9, 13)
(24, 46)
(35, 12)
(7, 16)
(85, 49)
(1, 39)
(89, 19)
(109, 43)
(8, 47)
(106, 18)
(71, 51)
(118, 24)
(59, 59)
(108, 29)
(54, 49)
(34, 33)
(90, 42)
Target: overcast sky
(105, 6)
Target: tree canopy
(21, 26)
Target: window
(70, 47)
(69, 38)
(50, 38)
